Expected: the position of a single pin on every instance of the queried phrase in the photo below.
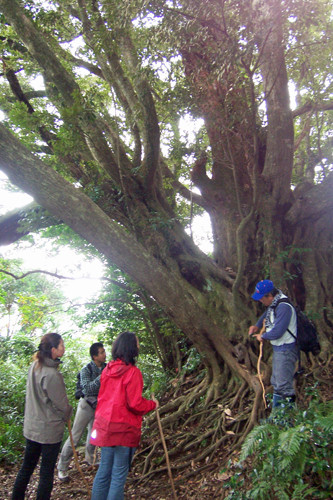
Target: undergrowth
(289, 456)
(11, 411)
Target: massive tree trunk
(182, 301)
(118, 193)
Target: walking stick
(258, 365)
(76, 458)
(166, 454)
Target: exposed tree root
(196, 431)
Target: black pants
(33, 451)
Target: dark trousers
(33, 451)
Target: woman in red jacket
(118, 418)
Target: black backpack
(307, 335)
(79, 392)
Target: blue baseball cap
(263, 287)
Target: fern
(263, 490)
(280, 493)
(291, 443)
(326, 422)
(303, 491)
(291, 455)
(259, 434)
(296, 462)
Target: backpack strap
(286, 300)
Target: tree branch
(181, 189)
(63, 87)
(59, 276)
(312, 108)
(151, 129)
(92, 68)
(22, 221)
(114, 75)
(39, 49)
(16, 88)
(280, 134)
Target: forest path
(201, 486)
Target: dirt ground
(201, 486)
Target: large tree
(101, 150)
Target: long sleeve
(134, 400)
(91, 379)
(281, 323)
(120, 407)
(46, 406)
(54, 386)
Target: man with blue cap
(279, 317)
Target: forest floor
(201, 486)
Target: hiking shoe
(63, 476)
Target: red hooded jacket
(120, 406)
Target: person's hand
(253, 329)
(258, 337)
(155, 401)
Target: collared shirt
(90, 379)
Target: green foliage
(15, 359)
(27, 304)
(61, 235)
(12, 390)
(18, 349)
(310, 36)
(192, 362)
(289, 456)
(254, 439)
(154, 377)
(11, 440)
(121, 306)
(76, 356)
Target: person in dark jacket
(46, 412)
(118, 418)
(90, 381)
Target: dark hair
(125, 347)
(273, 292)
(94, 349)
(45, 347)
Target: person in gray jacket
(46, 412)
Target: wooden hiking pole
(95, 456)
(76, 458)
(258, 365)
(166, 454)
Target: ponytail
(45, 347)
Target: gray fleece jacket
(46, 405)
